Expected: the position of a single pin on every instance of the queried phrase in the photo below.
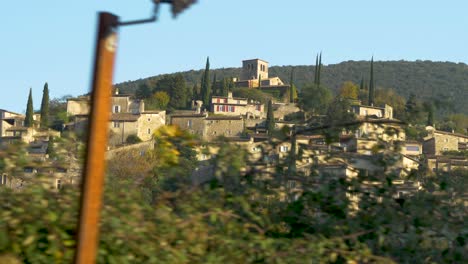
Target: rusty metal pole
(94, 168)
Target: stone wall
(283, 109)
(120, 130)
(78, 107)
(223, 126)
(192, 123)
(149, 122)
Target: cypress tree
(361, 86)
(430, 116)
(319, 69)
(213, 85)
(28, 121)
(206, 86)
(371, 84)
(45, 107)
(270, 121)
(316, 70)
(225, 87)
(292, 88)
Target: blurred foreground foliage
(153, 214)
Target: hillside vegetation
(444, 83)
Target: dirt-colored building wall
(280, 110)
(254, 69)
(78, 107)
(192, 123)
(228, 127)
(440, 143)
(149, 122)
(120, 130)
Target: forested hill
(445, 82)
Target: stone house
(209, 127)
(232, 106)
(128, 117)
(254, 74)
(143, 125)
(120, 103)
(439, 141)
(372, 111)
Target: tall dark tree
(28, 121)
(319, 70)
(361, 85)
(292, 88)
(143, 91)
(214, 87)
(231, 84)
(206, 85)
(430, 116)
(45, 107)
(316, 70)
(270, 120)
(225, 87)
(371, 84)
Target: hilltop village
(246, 169)
(282, 131)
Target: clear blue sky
(53, 40)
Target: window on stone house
(189, 123)
(3, 180)
(116, 124)
(116, 109)
(58, 184)
(284, 148)
(149, 131)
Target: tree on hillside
(206, 85)
(318, 69)
(371, 84)
(349, 90)
(28, 121)
(392, 98)
(175, 86)
(214, 86)
(252, 94)
(292, 88)
(315, 99)
(270, 120)
(143, 91)
(414, 110)
(178, 93)
(430, 116)
(158, 101)
(45, 107)
(338, 117)
(225, 87)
